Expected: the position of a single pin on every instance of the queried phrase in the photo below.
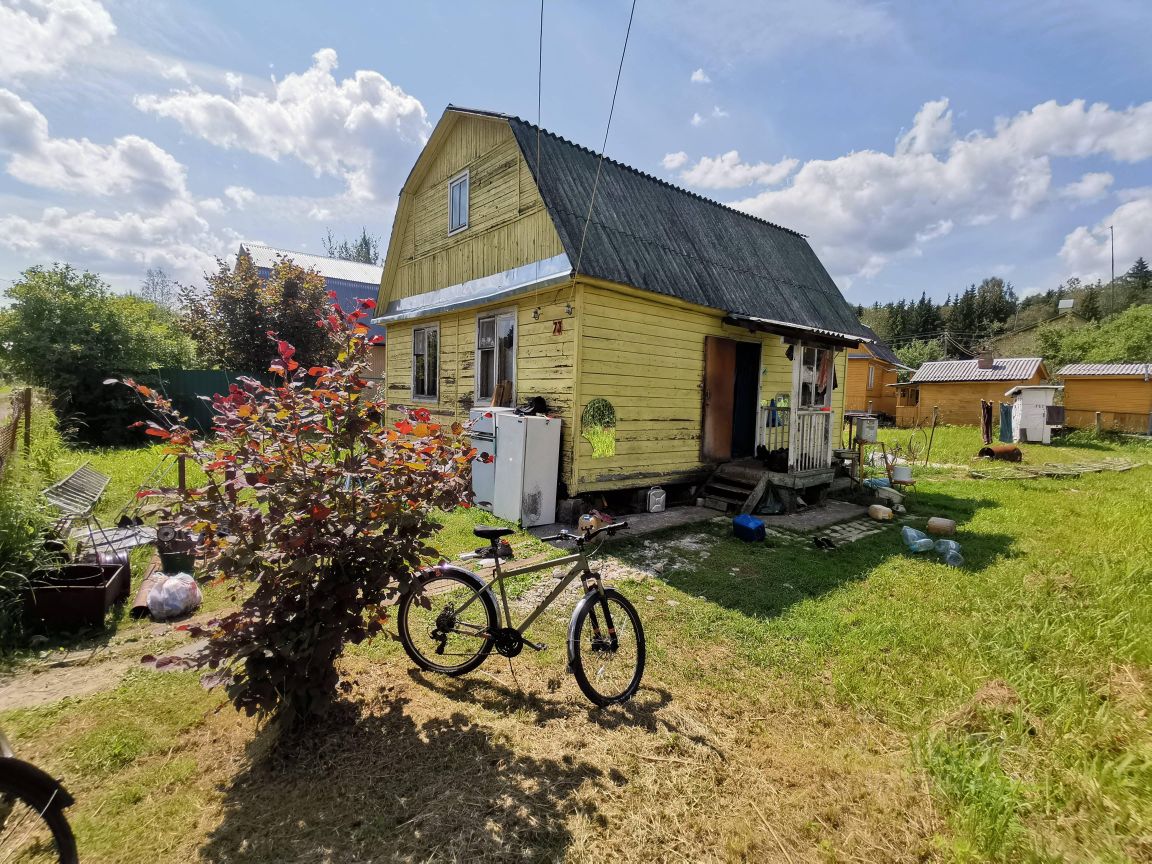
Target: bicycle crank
(508, 642)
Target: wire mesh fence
(18, 413)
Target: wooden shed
(670, 333)
(872, 369)
(957, 387)
(1120, 393)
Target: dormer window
(458, 203)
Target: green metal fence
(185, 387)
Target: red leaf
(157, 433)
(368, 304)
(376, 340)
(317, 370)
(319, 511)
(404, 426)
(331, 295)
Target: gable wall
(507, 223)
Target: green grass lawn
(859, 704)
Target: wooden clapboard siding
(507, 223)
(646, 357)
(544, 362)
(857, 395)
(1126, 395)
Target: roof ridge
(625, 166)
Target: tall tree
(231, 318)
(365, 248)
(158, 288)
(1090, 303)
(1139, 278)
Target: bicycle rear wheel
(447, 624)
(30, 833)
(606, 647)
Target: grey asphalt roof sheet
(1103, 369)
(1003, 369)
(652, 235)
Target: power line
(604, 146)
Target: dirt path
(73, 674)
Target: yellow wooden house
(1114, 396)
(873, 369)
(954, 389)
(669, 332)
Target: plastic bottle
(880, 513)
(954, 559)
(916, 541)
(946, 546)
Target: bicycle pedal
(534, 646)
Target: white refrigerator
(482, 423)
(527, 469)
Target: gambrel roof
(650, 234)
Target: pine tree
(1139, 279)
(1090, 303)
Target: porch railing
(773, 428)
(811, 440)
(805, 434)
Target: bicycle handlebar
(566, 535)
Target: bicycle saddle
(491, 532)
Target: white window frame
(462, 177)
(871, 377)
(433, 397)
(496, 315)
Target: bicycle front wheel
(447, 622)
(30, 832)
(606, 647)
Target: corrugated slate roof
(335, 268)
(650, 234)
(1144, 369)
(1003, 369)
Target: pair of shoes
(823, 543)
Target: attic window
(458, 203)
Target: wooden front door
(719, 393)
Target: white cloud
(867, 207)
(176, 72)
(234, 81)
(672, 161)
(319, 214)
(700, 77)
(176, 238)
(1087, 252)
(728, 172)
(931, 131)
(130, 165)
(40, 37)
(1089, 187)
(718, 112)
(240, 196)
(772, 28)
(364, 129)
(697, 120)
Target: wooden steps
(735, 486)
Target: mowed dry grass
(497, 766)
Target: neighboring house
(1120, 392)
(872, 370)
(956, 388)
(669, 332)
(351, 280)
(1023, 342)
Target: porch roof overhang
(476, 292)
(796, 331)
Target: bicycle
(451, 613)
(33, 826)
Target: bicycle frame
(579, 558)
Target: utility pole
(1112, 284)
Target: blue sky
(920, 146)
